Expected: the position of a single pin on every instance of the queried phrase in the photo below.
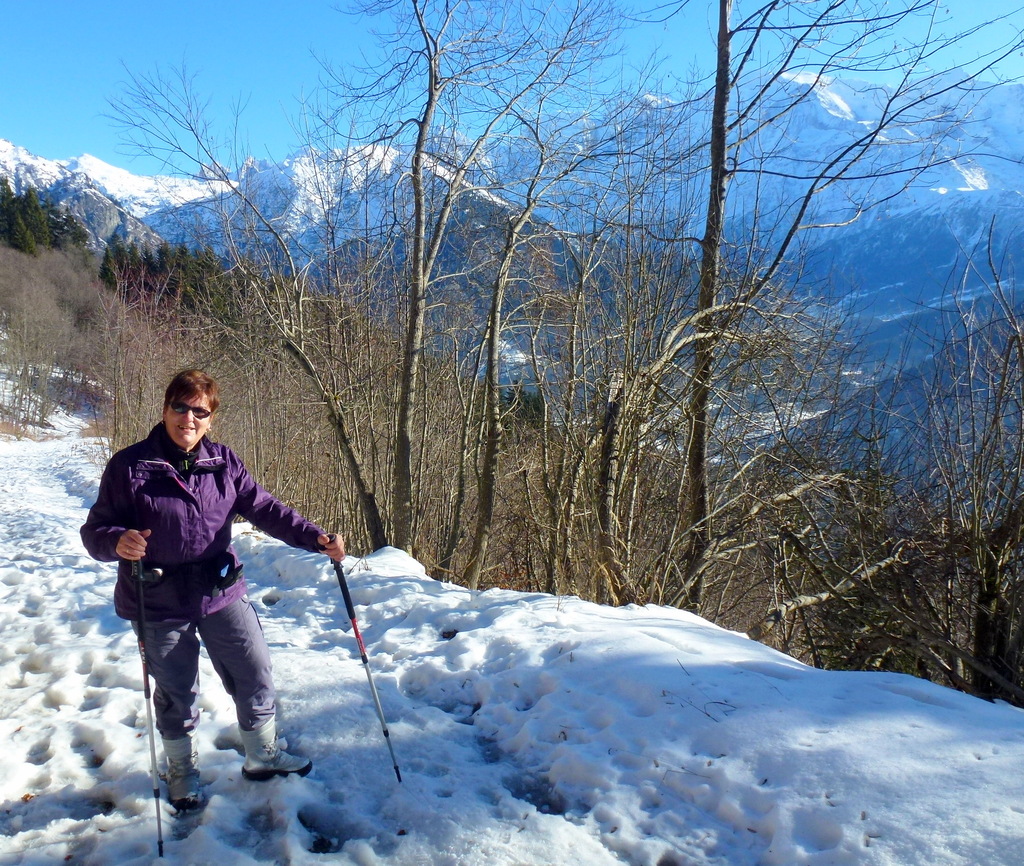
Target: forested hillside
(31, 224)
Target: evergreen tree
(7, 210)
(193, 279)
(523, 403)
(113, 255)
(66, 232)
(33, 215)
(22, 239)
(165, 258)
(29, 223)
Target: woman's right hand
(132, 544)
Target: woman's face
(182, 425)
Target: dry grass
(95, 429)
(15, 431)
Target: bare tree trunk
(488, 471)
(420, 266)
(698, 520)
(615, 588)
(339, 424)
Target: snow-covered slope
(529, 729)
(27, 169)
(141, 195)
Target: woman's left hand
(333, 546)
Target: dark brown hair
(190, 385)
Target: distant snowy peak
(25, 169)
(982, 152)
(100, 211)
(141, 195)
(979, 166)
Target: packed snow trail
(529, 729)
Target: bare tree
(973, 434)
(49, 305)
(913, 561)
(163, 115)
(768, 64)
(471, 83)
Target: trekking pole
(366, 663)
(140, 583)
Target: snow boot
(182, 773)
(264, 758)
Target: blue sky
(62, 61)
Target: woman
(169, 501)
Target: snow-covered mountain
(891, 263)
(79, 190)
(140, 195)
(929, 233)
(944, 188)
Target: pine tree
(66, 232)
(22, 239)
(32, 213)
(113, 259)
(8, 207)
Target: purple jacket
(191, 522)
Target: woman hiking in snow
(169, 501)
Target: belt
(218, 572)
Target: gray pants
(234, 641)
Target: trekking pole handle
(349, 607)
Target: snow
(529, 728)
(38, 172)
(142, 195)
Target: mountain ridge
(87, 200)
(922, 224)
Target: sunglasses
(197, 411)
